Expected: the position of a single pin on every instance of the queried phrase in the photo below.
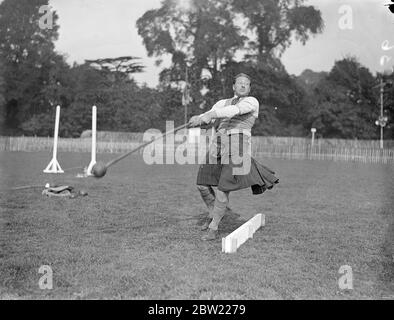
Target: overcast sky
(91, 29)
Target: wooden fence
(64, 145)
(366, 155)
(272, 147)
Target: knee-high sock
(218, 212)
(208, 196)
(212, 191)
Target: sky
(92, 29)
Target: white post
(94, 133)
(56, 134)
(313, 130)
(381, 137)
(53, 166)
(381, 111)
(235, 239)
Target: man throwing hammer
(229, 166)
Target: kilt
(221, 174)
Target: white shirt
(245, 105)
(226, 112)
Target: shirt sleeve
(215, 107)
(246, 105)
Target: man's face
(241, 86)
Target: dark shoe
(211, 235)
(206, 224)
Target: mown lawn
(136, 235)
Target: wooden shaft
(112, 162)
(28, 187)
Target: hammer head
(99, 170)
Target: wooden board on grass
(234, 240)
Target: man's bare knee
(222, 196)
(202, 188)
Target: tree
(117, 69)
(208, 34)
(344, 104)
(308, 79)
(196, 35)
(28, 55)
(170, 102)
(2, 99)
(203, 34)
(388, 102)
(333, 116)
(274, 23)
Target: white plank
(234, 240)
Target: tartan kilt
(259, 178)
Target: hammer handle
(112, 162)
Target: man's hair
(241, 75)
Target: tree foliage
(204, 33)
(274, 23)
(117, 69)
(209, 34)
(388, 102)
(2, 98)
(206, 36)
(27, 52)
(344, 104)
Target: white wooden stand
(94, 134)
(234, 240)
(54, 166)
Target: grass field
(136, 235)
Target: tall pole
(381, 112)
(313, 136)
(94, 136)
(186, 94)
(94, 133)
(56, 134)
